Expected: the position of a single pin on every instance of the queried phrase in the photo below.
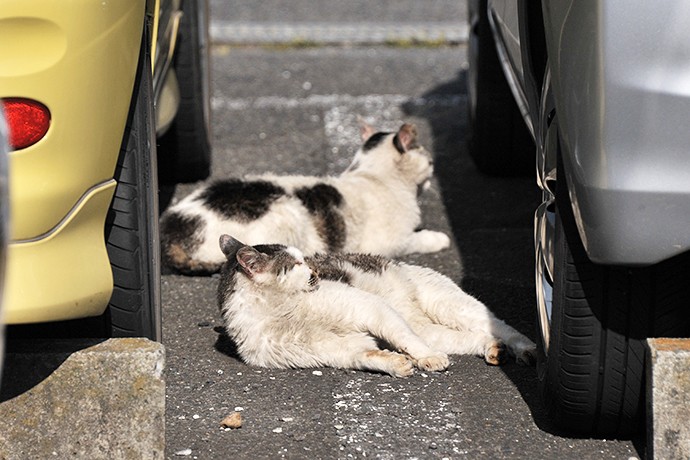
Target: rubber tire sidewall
(132, 237)
(185, 149)
(592, 379)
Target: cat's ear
(365, 129)
(251, 260)
(406, 138)
(229, 246)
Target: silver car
(596, 94)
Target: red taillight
(27, 120)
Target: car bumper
(66, 275)
(621, 83)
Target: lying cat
(284, 310)
(371, 207)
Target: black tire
(132, 223)
(592, 377)
(185, 149)
(499, 142)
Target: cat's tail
(181, 238)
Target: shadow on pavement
(491, 221)
(29, 362)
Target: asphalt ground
(292, 108)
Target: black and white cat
(283, 310)
(371, 207)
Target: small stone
(233, 420)
(317, 372)
(196, 416)
(220, 372)
(184, 452)
(277, 430)
(287, 419)
(338, 427)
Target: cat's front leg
(425, 241)
(386, 361)
(394, 329)
(372, 314)
(360, 351)
(434, 363)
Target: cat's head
(393, 153)
(271, 266)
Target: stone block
(104, 401)
(668, 399)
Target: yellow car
(89, 88)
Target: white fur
(422, 314)
(444, 315)
(334, 326)
(380, 209)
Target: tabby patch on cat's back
(242, 200)
(372, 207)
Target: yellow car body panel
(70, 267)
(78, 58)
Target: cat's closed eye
(287, 268)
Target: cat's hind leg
(445, 303)
(456, 342)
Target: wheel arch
(533, 52)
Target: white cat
(371, 207)
(284, 310)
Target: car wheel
(593, 322)
(499, 142)
(185, 149)
(132, 223)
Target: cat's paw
(400, 366)
(425, 241)
(527, 356)
(433, 363)
(495, 353)
(523, 349)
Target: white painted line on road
(330, 100)
(340, 111)
(230, 32)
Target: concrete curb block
(668, 398)
(106, 401)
